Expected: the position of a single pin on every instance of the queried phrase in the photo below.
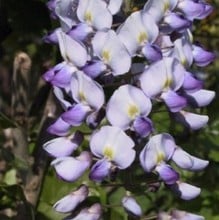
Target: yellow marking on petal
(168, 83)
(88, 17)
(82, 96)
(108, 153)
(166, 5)
(133, 111)
(142, 37)
(160, 157)
(106, 55)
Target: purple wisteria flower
(114, 147)
(131, 206)
(129, 107)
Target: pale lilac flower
(112, 144)
(158, 9)
(69, 202)
(168, 74)
(159, 149)
(127, 104)
(69, 168)
(88, 95)
(63, 146)
(112, 52)
(138, 30)
(94, 13)
(131, 205)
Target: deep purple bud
(72, 200)
(100, 170)
(201, 56)
(131, 206)
(143, 126)
(167, 173)
(152, 52)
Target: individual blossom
(131, 206)
(168, 74)
(75, 56)
(94, 13)
(139, 30)
(114, 147)
(72, 168)
(112, 52)
(88, 96)
(129, 107)
(159, 149)
(69, 202)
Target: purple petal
(80, 32)
(174, 102)
(130, 205)
(191, 9)
(100, 170)
(191, 84)
(167, 173)
(201, 56)
(192, 120)
(187, 161)
(63, 146)
(76, 115)
(71, 201)
(152, 52)
(177, 22)
(51, 37)
(185, 191)
(69, 168)
(200, 98)
(143, 126)
(59, 127)
(94, 68)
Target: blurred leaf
(6, 122)
(10, 177)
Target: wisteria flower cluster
(118, 70)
